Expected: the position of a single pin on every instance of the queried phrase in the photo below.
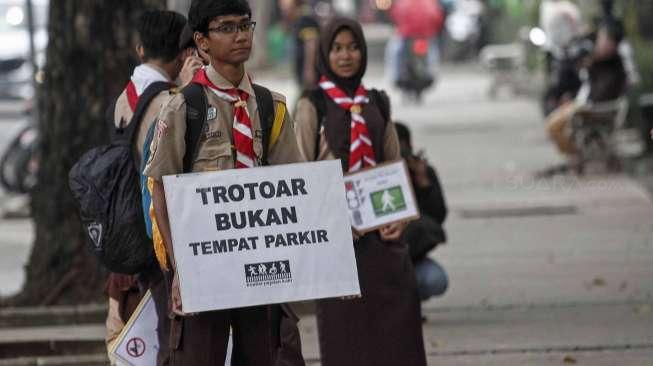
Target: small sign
(379, 196)
(138, 344)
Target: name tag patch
(214, 134)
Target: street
(15, 235)
(542, 272)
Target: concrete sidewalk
(543, 272)
(16, 237)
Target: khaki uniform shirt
(123, 112)
(306, 131)
(215, 146)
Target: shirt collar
(222, 83)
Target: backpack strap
(266, 115)
(110, 116)
(122, 133)
(196, 108)
(317, 98)
(279, 117)
(381, 99)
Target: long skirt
(384, 327)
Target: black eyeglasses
(231, 28)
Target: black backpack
(105, 183)
(196, 111)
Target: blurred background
(549, 257)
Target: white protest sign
(246, 237)
(138, 344)
(379, 196)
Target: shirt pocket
(214, 154)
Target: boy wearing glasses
(232, 137)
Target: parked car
(16, 70)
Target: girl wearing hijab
(341, 119)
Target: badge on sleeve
(211, 113)
(161, 128)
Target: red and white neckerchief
(132, 95)
(143, 76)
(361, 152)
(242, 125)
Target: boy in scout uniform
(163, 61)
(232, 138)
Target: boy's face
(228, 40)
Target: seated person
(565, 81)
(604, 80)
(427, 232)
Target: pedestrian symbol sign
(388, 201)
(380, 196)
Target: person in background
(187, 42)
(305, 32)
(163, 59)
(561, 21)
(414, 19)
(342, 119)
(424, 234)
(604, 80)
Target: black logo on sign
(268, 273)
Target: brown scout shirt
(306, 126)
(215, 145)
(124, 112)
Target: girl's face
(345, 55)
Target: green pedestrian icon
(388, 201)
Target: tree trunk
(89, 60)
(180, 6)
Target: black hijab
(328, 34)
(336, 122)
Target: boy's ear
(201, 42)
(140, 51)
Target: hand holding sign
(176, 296)
(393, 231)
(381, 198)
(246, 237)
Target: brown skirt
(384, 327)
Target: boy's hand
(191, 66)
(176, 296)
(354, 235)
